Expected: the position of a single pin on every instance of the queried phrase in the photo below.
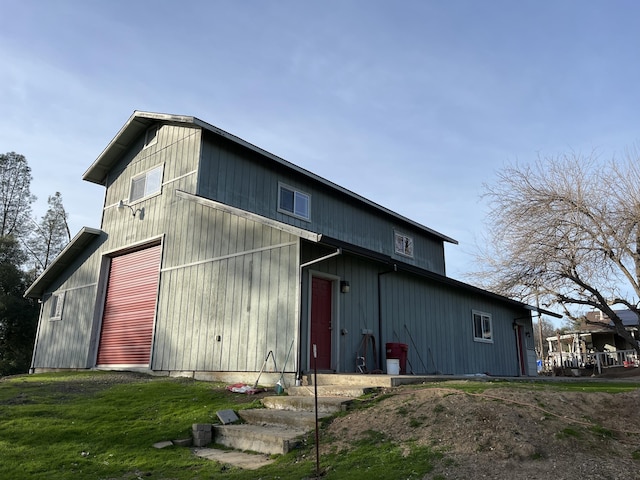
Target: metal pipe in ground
(315, 394)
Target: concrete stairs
(286, 419)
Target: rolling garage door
(129, 311)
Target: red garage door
(129, 311)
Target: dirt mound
(508, 432)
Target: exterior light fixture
(344, 286)
(134, 212)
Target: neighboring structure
(213, 252)
(595, 344)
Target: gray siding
(70, 342)
(177, 149)
(230, 278)
(433, 318)
(230, 286)
(238, 177)
(438, 318)
(65, 343)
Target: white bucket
(393, 366)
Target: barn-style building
(213, 252)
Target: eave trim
(401, 266)
(298, 232)
(62, 261)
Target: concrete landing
(370, 380)
(348, 391)
(307, 404)
(247, 461)
(269, 439)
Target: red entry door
(321, 309)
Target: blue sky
(413, 104)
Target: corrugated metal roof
(62, 261)
(140, 121)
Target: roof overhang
(140, 121)
(401, 266)
(62, 261)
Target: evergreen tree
(18, 315)
(50, 236)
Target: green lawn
(71, 426)
(90, 425)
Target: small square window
(57, 304)
(294, 202)
(403, 244)
(482, 331)
(151, 136)
(146, 184)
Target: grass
(587, 386)
(62, 423)
(85, 425)
(68, 426)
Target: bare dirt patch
(510, 432)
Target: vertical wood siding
(68, 343)
(65, 343)
(437, 317)
(243, 179)
(230, 278)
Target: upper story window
(482, 331)
(146, 184)
(151, 136)
(57, 303)
(294, 202)
(403, 244)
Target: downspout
(299, 353)
(395, 269)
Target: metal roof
(140, 121)
(62, 261)
(401, 266)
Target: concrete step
(248, 461)
(307, 404)
(368, 380)
(284, 418)
(264, 439)
(330, 391)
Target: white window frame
(485, 319)
(298, 195)
(403, 244)
(151, 135)
(57, 306)
(146, 193)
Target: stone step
(284, 418)
(307, 404)
(264, 439)
(349, 391)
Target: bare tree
(542, 329)
(567, 229)
(50, 236)
(15, 195)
